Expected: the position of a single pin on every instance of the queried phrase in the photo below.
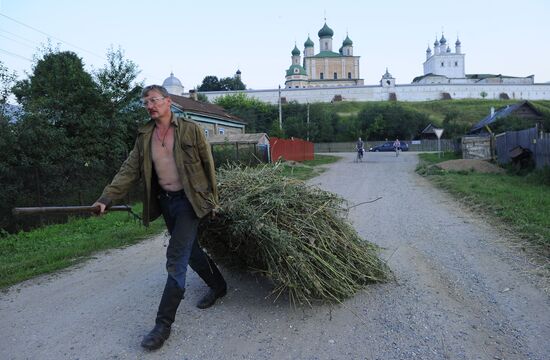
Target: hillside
(467, 111)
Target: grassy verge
(310, 168)
(54, 247)
(520, 202)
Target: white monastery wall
(402, 93)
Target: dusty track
(461, 292)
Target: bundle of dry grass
(296, 235)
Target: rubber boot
(171, 298)
(209, 272)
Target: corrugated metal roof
(187, 104)
(501, 112)
(238, 138)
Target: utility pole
(280, 110)
(307, 138)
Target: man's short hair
(160, 89)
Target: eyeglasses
(153, 101)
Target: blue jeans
(183, 248)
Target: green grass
(519, 202)
(468, 111)
(54, 247)
(309, 168)
(433, 158)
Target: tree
(232, 83)
(60, 129)
(454, 128)
(60, 90)
(120, 93)
(212, 83)
(258, 115)
(7, 81)
(483, 94)
(117, 79)
(322, 120)
(391, 121)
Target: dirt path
(460, 293)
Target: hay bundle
(294, 234)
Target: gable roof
(202, 108)
(327, 53)
(238, 138)
(480, 77)
(502, 112)
(429, 129)
(418, 78)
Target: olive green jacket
(193, 161)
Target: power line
(16, 55)
(20, 37)
(50, 36)
(17, 41)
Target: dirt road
(460, 292)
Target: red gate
(291, 149)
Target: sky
(194, 39)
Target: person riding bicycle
(397, 145)
(359, 146)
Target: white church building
(445, 66)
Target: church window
(335, 76)
(442, 64)
(206, 132)
(221, 131)
(321, 76)
(326, 45)
(456, 63)
(349, 75)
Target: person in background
(397, 146)
(173, 159)
(360, 145)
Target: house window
(335, 76)
(349, 75)
(321, 76)
(221, 131)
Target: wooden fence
(416, 145)
(291, 149)
(534, 140)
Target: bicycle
(359, 157)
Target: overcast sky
(199, 38)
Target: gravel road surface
(461, 291)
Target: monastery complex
(328, 76)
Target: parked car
(388, 146)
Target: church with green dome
(327, 68)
